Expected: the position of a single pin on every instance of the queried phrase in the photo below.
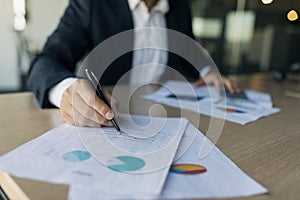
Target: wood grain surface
(268, 149)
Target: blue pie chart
(129, 164)
(76, 156)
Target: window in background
(255, 35)
(238, 36)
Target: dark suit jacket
(84, 25)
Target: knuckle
(68, 91)
(103, 110)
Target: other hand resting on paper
(80, 106)
(214, 78)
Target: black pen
(3, 195)
(99, 91)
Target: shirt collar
(133, 4)
(161, 6)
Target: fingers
(218, 82)
(228, 85)
(211, 78)
(90, 98)
(231, 86)
(87, 111)
(80, 106)
(81, 120)
(199, 82)
(77, 119)
(113, 102)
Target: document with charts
(60, 156)
(206, 100)
(214, 176)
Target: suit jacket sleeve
(63, 49)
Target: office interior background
(242, 36)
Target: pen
(93, 79)
(2, 195)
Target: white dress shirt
(146, 64)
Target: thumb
(199, 82)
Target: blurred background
(242, 36)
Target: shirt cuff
(56, 92)
(205, 70)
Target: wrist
(56, 92)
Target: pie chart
(228, 110)
(188, 169)
(76, 156)
(129, 164)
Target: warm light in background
(266, 1)
(19, 7)
(292, 15)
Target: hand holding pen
(99, 91)
(80, 105)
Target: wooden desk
(268, 150)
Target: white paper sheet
(206, 100)
(157, 150)
(48, 158)
(60, 157)
(223, 179)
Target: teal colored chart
(76, 156)
(130, 163)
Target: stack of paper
(59, 156)
(206, 100)
(118, 165)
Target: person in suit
(84, 25)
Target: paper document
(156, 151)
(60, 157)
(214, 176)
(206, 100)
